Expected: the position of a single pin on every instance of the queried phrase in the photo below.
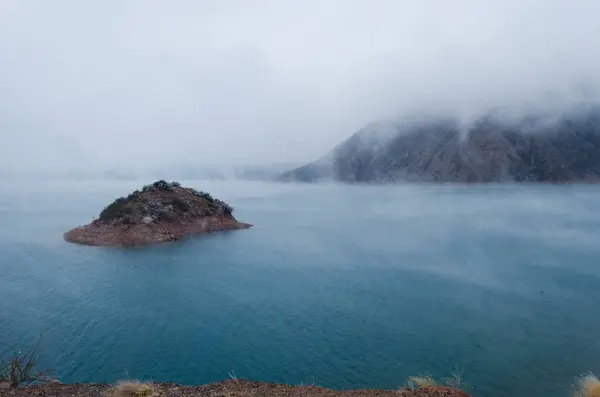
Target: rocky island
(160, 212)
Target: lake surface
(341, 286)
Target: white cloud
(131, 83)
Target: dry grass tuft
(428, 386)
(134, 388)
(587, 385)
(20, 368)
(456, 380)
(419, 382)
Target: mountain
(496, 147)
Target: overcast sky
(128, 82)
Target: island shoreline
(82, 234)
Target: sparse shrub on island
(180, 204)
(222, 207)
(122, 208)
(134, 195)
(128, 220)
(163, 185)
(116, 209)
(227, 209)
(206, 196)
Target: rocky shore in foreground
(160, 212)
(230, 388)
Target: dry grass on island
(160, 212)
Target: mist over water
(343, 286)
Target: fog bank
(141, 84)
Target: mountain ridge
(557, 147)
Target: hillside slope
(534, 148)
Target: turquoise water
(341, 286)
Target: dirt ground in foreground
(229, 388)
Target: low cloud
(136, 84)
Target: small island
(160, 212)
